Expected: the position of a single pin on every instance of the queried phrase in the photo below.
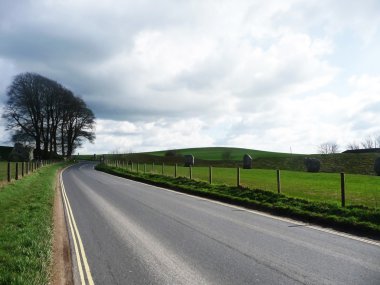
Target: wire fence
(354, 189)
(10, 171)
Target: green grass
(26, 228)
(358, 219)
(3, 170)
(323, 187)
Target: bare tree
(368, 142)
(23, 111)
(80, 125)
(353, 146)
(377, 141)
(328, 148)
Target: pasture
(355, 163)
(3, 170)
(324, 187)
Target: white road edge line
(76, 238)
(330, 231)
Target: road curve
(134, 233)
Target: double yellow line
(84, 269)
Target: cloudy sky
(265, 74)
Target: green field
(355, 163)
(3, 170)
(325, 187)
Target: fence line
(10, 171)
(313, 186)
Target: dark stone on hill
(377, 166)
(312, 164)
(189, 160)
(247, 161)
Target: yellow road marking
(77, 240)
(74, 239)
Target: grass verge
(26, 228)
(360, 220)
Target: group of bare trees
(328, 148)
(370, 142)
(41, 112)
(366, 143)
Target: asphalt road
(134, 233)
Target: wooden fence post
(238, 177)
(16, 175)
(152, 167)
(22, 169)
(9, 171)
(162, 168)
(138, 167)
(175, 170)
(278, 181)
(210, 174)
(190, 172)
(144, 168)
(343, 188)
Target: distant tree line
(369, 142)
(42, 112)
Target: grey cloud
(89, 46)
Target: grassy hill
(360, 163)
(223, 153)
(4, 152)
(356, 163)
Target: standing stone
(189, 160)
(312, 164)
(377, 166)
(247, 161)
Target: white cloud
(147, 136)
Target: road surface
(134, 233)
